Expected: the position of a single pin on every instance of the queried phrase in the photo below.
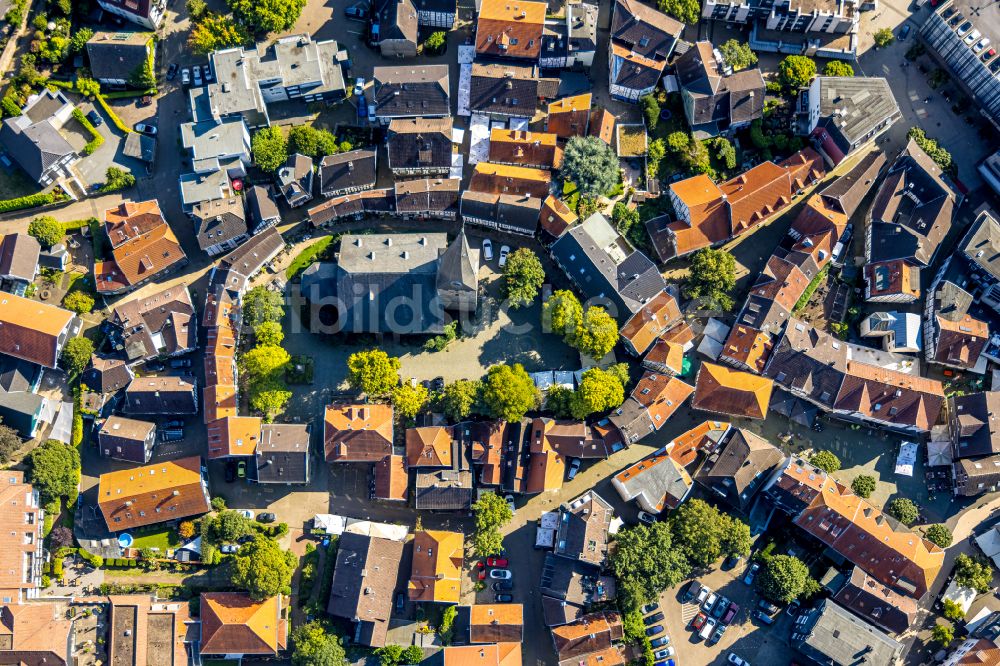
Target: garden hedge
(29, 201)
(96, 140)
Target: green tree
(838, 68)
(697, 157)
(725, 152)
(597, 333)
(624, 217)
(409, 399)
(523, 276)
(508, 392)
(621, 371)
(562, 314)
(698, 532)
(952, 610)
(591, 165)
(260, 304)
(678, 142)
(884, 37)
(599, 391)
(78, 42)
(904, 510)
(974, 572)
(491, 513)
(268, 333)
(76, 355)
(196, 9)
(269, 396)
(53, 470)
(939, 535)
(943, 634)
(447, 627)
(46, 230)
(214, 32)
(142, 77)
(711, 278)
(930, 146)
(10, 443)
(264, 362)
(654, 156)
(270, 148)
(459, 398)
(79, 302)
(89, 88)
(413, 654)
(738, 54)
(390, 655)
(267, 15)
(559, 401)
(225, 527)
(796, 71)
(117, 179)
(307, 140)
(863, 485)
(436, 42)
(736, 540)
(784, 579)
(650, 110)
(688, 11)
(826, 461)
(372, 372)
(317, 645)
(645, 563)
(262, 568)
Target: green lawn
(163, 539)
(571, 195)
(308, 256)
(14, 183)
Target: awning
(906, 459)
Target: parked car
(362, 107)
(717, 634)
(652, 618)
(503, 598)
(501, 574)
(659, 642)
(649, 608)
(964, 28)
(709, 602)
(647, 518)
(731, 563)
(981, 44)
(186, 76)
(698, 621)
(793, 608)
(206, 71)
(358, 10)
(720, 607)
(359, 86)
(664, 653)
(499, 562)
(574, 467)
(707, 629)
(502, 585)
(504, 251)
(487, 249)
(731, 613)
(751, 573)
(690, 591)
(904, 33)
(246, 513)
(266, 517)
(733, 659)
(196, 76)
(704, 591)
(972, 37)
(767, 607)
(145, 128)
(228, 548)
(171, 71)
(171, 435)
(989, 54)
(241, 471)
(764, 617)
(95, 118)
(510, 503)
(653, 631)
(179, 363)
(155, 366)
(400, 601)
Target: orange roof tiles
(569, 116)
(429, 446)
(804, 168)
(725, 391)
(510, 28)
(30, 330)
(34, 634)
(602, 124)
(496, 623)
(160, 631)
(661, 395)
(437, 566)
(665, 356)
(391, 480)
(504, 179)
(495, 654)
(233, 623)
(748, 347)
(704, 436)
(143, 246)
(233, 436)
(219, 402)
(590, 633)
(555, 216)
(890, 396)
(756, 194)
(139, 496)
(131, 219)
(892, 278)
(546, 470)
(524, 148)
(655, 317)
(357, 432)
(611, 656)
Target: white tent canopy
(906, 459)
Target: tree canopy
(703, 534)
(838, 68)
(738, 54)
(623, 216)
(599, 391)
(826, 461)
(863, 485)
(225, 527)
(54, 470)
(10, 442)
(409, 399)
(459, 398)
(310, 141)
(260, 305)
(688, 11)
(373, 372)
(796, 71)
(561, 314)
(597, 333)
(79, 302)
(943, 634)
(645, 562)
(974, 572)
(650, 110)
(591, 165)
(939, 535)
(267, 15)
(262, 568)
(268, 333)
(317, 645)
(270, 148)
(76, 355)
(784, 579)
(508, 392)
(930, 146)
(523, 276)
(264, 361)
(904, 510)
(491, 513)
(884, 37)
(712, 278)
(46, 230)
(214, 32)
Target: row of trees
(248, 19)
(271, 147)
(599, 391)
(592, 331)
(264, 365)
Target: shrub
(826, 461)
(117, 179)
(939, 535)
(884, 37)
(863, 485)
(78, 302)
(46, 230)
(904, 510)
(436, 42)
(115, 120)
(10, 106)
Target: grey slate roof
(847, 192)
(428, 195)
(507, 89)
(852, 106)
(17, 374)
(975, 431)
(455, 264)
(982, 244)
(834, 636)
(420, 143)
(718, 101)
(140, 147)
(508, 210)
(738, 468)
(364, 579)
(219, 221)
(261, 206)
(646, 31)
(116, 55)
(397, 19)
(295, 178)
(809, 361)
(282, 454)
(343, 171)
(236, 268)
(604, 264)
(411, 91)
(33, 139)
(19, 256)
(18, 409)
(161, 395)
(444, 490)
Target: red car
(699, 621)
(481, 570)
(496, 562)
